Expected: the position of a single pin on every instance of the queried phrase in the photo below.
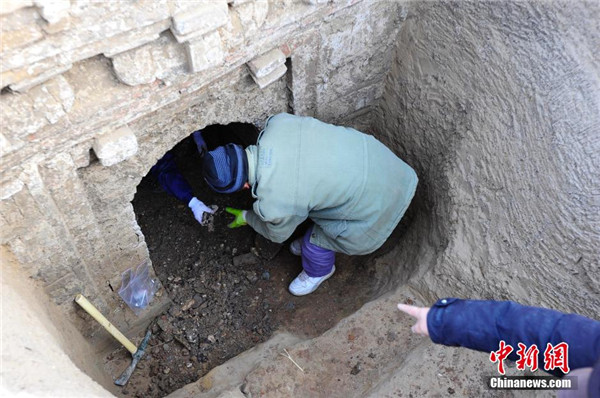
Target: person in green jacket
(352, 187)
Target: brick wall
(95, 92)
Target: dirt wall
(42, 355)
(496, 105)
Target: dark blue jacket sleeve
(481, 325)
(171, 180)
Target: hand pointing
(417, 312)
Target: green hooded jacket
(349, 184)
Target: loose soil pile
(228, 286)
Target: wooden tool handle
(110, 328)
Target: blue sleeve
(170, 179)
(481, 325)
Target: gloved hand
(200, 144)
(239, 220)
(199, 208)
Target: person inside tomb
(174, 183)
(350, 185)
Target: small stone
(202, 358)
(189, 365)
(245, 259)
(163, 323)
(183, 342)
(251, 276)
(198, 301)
(451, 390)
(391, 336)
(166, 370)
(356, 369)
(166, 337)
(266, 275)
(191, 337)
(211, 339)
(175, 310)
(188, 305)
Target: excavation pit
(494, 104)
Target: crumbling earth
(228, 286)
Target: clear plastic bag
(137, 287)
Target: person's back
(352, 186)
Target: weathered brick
(252, 15)
(62, 91)
(53, 10)
(60, 26)
(135, 67)
(135, 38)
(170, 58)
(46, 105)
(19, 29)
(9, 6)
(46, 65)
(115, 146)
(199, 19)
(232, 34)
(159, 59)
(24, 114)
(26, 84)
(9, 188)
(267, 63)
(81, 155)
(7, 146)
(271, 77)
(67, 287)
(205, 53)
(96, 22)
(18, 116)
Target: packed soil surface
(228, 286)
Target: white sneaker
(304, 284)
(296, 247)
